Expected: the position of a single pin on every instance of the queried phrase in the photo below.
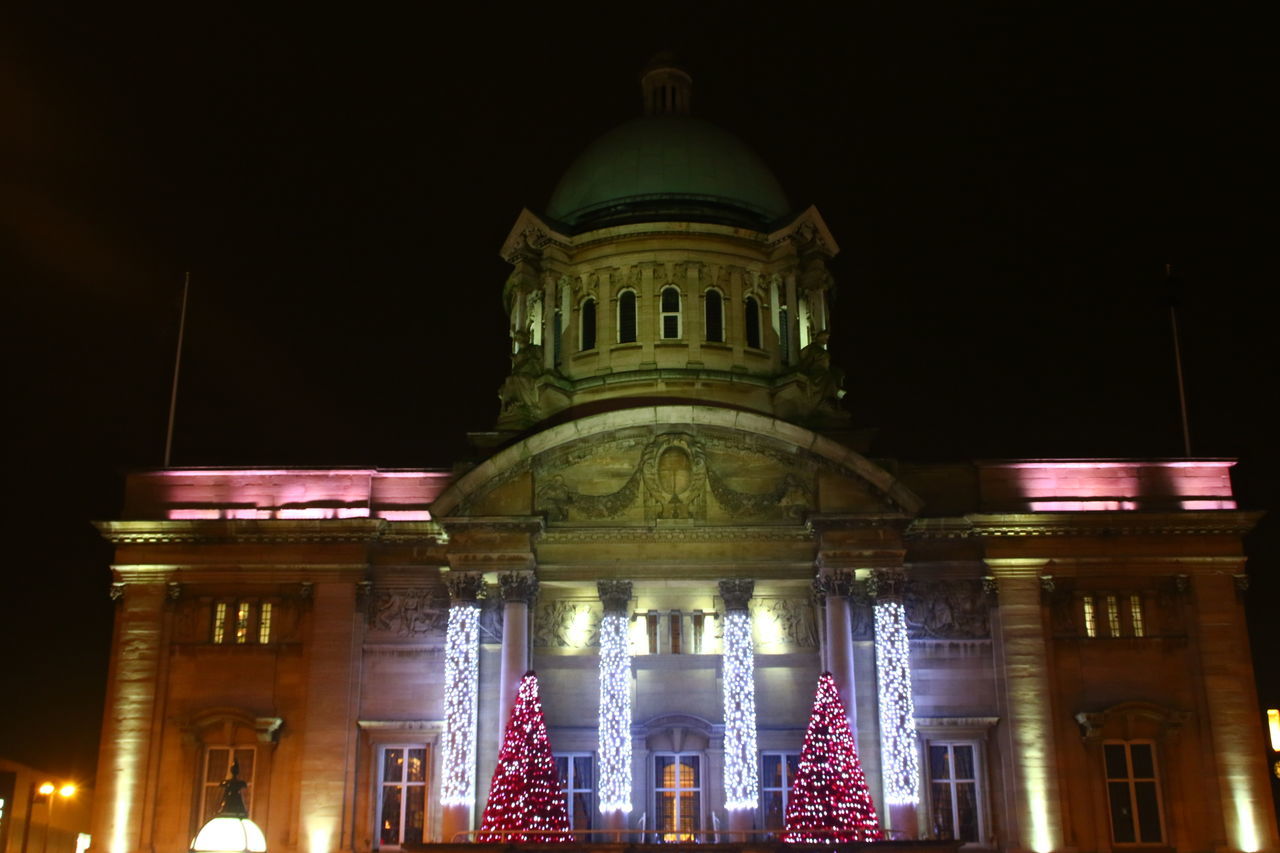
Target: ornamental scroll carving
(409, 612)
(567, 625)
(946, 609)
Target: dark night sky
(1006, 187)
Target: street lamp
(47, 790)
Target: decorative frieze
(566, 625)
(409, 612)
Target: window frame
(569, 789)
(404, 784)
(208, 808)
(751, 303)
(952, 782)
(664, 313)
(706, 315)
(635, 316)
(584, 326)
(657, 790)
(784, 792)
(976, 731)
(1131, 779)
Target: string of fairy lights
(901, 765)
(461, 680)
(615, 714)
(741, 781)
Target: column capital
(838, 582)
(518, 587)
(737, 592)
(886, 583)
(465, 587)
(615, 595)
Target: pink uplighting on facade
(1113, 485)
(209, 494)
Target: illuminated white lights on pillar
(461, 686)
(900, 760)
(615, 698)
(741, 781)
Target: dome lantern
(667, 88)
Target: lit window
(217, 769)
(1135, 615)
(677, 791)
(1113, 616)
(1133, 792)
(402, 808)
(1090, 617)
(627, 317)
(751, 316)
(578, 782)
(242, 622)
(955, 807)
(220, 622)
(670, 313)
(264, 623)
(714, 310)
(588, 320)
(777, 772)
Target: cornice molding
(162, 532)
(682, 533)
(1122, 523)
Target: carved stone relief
(793, 619)
(409, 613)
(946, 609)
(567, 624)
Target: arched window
(627, 317)
(670, 313)
(784, 334)
(713, 308)
(751, 314)
(588, 320)
(559, 329)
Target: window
(713, 309)
(777, 771)
(955, 810)
(784, 334)
(1135, 615)
(577, 777)
(558, 320)
(670, 313)
(402, 806)
(1133, 792)
(627, 317)
(675, 631)
(651, 630)
(588, 320)
(751, 314)
(1090, 617)
(217, 769)
(241, 622)
(1113, 617)
(677, 792)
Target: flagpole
(1177, 358)
(177, 366)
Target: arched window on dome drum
(627, 317)
(557, 332)
(784, 334)
(670, 313)
(588, 320)
(713, 308)
(751, 314)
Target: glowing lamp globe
(228, 834)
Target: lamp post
(47, 790)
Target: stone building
(676, 526)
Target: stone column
(461, 689)
(614, 786)
(1234, 715)
(899, 749)
(127, 731)
(837, 586)
(518, 590)
(741, 775)
(1023, 667)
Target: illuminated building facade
(675, 525)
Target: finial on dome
(667, 88)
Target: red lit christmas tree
(829, 801)
(526, 802)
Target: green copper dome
(667, 167)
